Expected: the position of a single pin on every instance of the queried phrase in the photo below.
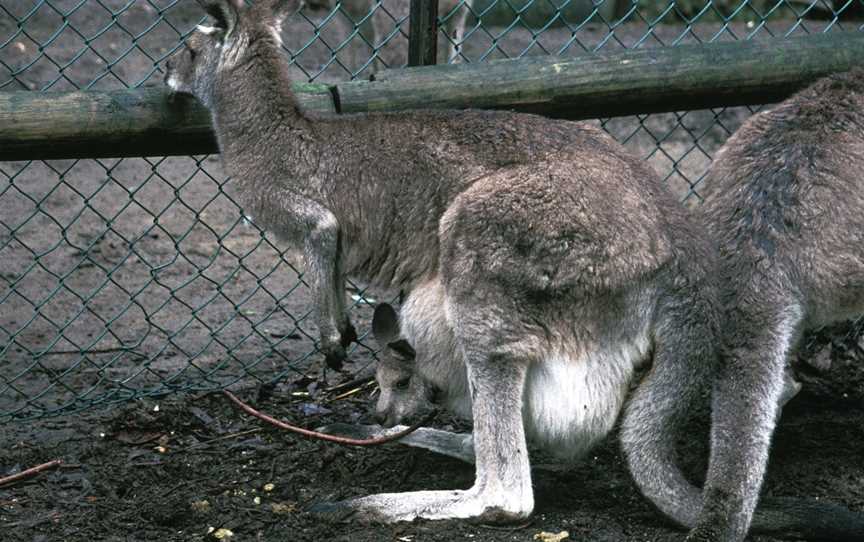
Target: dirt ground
(174, 469)
(147, 266)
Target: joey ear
(403, 348)
(224, 12)
(385, 324)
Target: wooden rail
(99, 124)
(152, 122)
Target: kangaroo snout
(382, 412)
(386, 418)
(380, 417)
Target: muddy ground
(176, 468)
(120, 277)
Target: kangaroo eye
(403, 384)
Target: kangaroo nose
(380, 417)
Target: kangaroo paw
(348, 335)
(395, 507)
(334, 357)
(791, 387)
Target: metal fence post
(423, 33)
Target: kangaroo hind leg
(684, 359)
(745, 404)
(502, 489)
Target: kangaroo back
(786, 206)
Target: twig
(218, 439)
(32, 471)
(357, 382)
(351, 392)
(507, 528)
(324, 436)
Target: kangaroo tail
(684, 359)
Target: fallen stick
(324, 436)
(32, 471)
(357, 382)
(205, 443)
(351, 392)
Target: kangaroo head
(403, 395)
(211, 51)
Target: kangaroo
(558, 253)
(376, 195)
(412, 382)
(412, 385)
(785, 201)
(453, 16)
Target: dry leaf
(543, 536)
(223, 534)
(283, 507)
(201, 506)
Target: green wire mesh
(138, 277)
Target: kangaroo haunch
(785, 201)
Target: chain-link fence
(129, 277)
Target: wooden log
(609, 84)
(149, 122)
(95, 124)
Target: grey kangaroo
(412, 382)
(785, 201)
(558, 254)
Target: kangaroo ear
(385, 324)
(224, 12)
(283, 9)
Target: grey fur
(411, 386)
(786, 202)
(545, 237)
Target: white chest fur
(572, 400)
(572, 397)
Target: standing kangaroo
(560, 257)
(413, 382)
(786, 204)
